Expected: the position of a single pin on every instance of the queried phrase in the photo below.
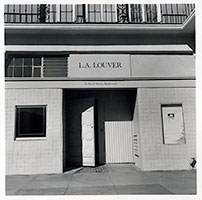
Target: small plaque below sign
(99, 66)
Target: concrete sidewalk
(114, 179)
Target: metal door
(173, 125)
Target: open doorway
(91, 119)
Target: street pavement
(107, 180)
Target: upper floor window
(109, 13)
(66, 13)
(37, 66)
(94, 13)
(24, 67)
(21, 13)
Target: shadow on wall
(109, 105)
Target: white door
(88, 139)
(173, 125)
(118, 137)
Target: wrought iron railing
(97, 13)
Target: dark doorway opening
(109, 105)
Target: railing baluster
(139, 14)
(20, 16)
(60, 13)
(177, 9)
(31, 13)
(111, 10)
(185, 11)
(166, 13)
(188, 8)
(8, 12)
(26, 15)
(14, 13)
(172, 18)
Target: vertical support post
(143, 13)
(86, 12)
(116, 13)
(158, 6)
(129, 13)
(102, 12)
(73, 12)
(57, 12)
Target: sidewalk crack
(112, 183)
(21, 188)
(68, 183)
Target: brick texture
(37, 155)
(154, 154)
(136, 137)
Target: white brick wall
(154, 154)
(45, 155)
(136, 131)
(34, 156)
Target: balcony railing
(97, 13)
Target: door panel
(173, 125)
(88, 140)
(80, 133)
(119, 147)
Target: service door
(88, 135)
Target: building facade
(92, 84)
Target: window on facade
(94, 13)
(24, 67)
(109, 13)
(66, 13)
(30, 121)
(173, 124)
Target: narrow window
(30, 121)
(10, 68)
(36, 67)
(27, 67)
(173, 124)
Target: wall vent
(55, 66)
